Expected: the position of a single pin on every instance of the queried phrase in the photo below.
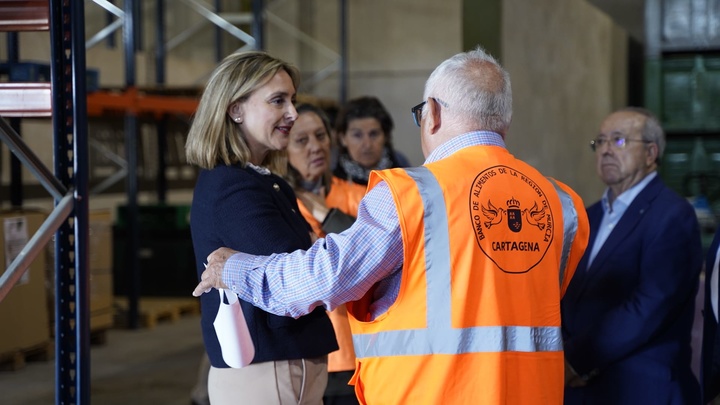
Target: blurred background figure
(309, 171)
(310, 176)
(364, 130)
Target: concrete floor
(139, 367)
(155, 366)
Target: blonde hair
(214, 138)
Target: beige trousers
(286, 382)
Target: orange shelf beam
(137, 102)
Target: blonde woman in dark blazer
(238, 138)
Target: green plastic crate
(151, 217)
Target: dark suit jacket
(627, 319)
(711, 339)
(239, 208)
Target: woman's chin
(315, 175)
(282, 145)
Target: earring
(237, 120)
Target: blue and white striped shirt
(341, 267)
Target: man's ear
(653, 151)
(434, 116)
(235, 112)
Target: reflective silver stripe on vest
(440, 337)
(570, 226)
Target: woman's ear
(235, 112)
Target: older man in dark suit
(628, 312)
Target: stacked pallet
(153, 310)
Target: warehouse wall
(566, 60)
(568, 64)
(393, 46)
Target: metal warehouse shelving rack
(66, 101)
(63, 100)
(133, 102)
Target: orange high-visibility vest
(338, 198)
(342, 359)
(311, 220)
(490, 246)
(345, 195)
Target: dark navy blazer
(627, 319)
(244, 210)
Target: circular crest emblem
(511, 218)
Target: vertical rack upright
(64, 99)
(72, 314)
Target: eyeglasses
(616, 142)
(417, 110)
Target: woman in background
(238, 137)
(364, 129)
(309, 174)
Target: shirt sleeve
(336, 269)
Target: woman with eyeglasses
(364, 129)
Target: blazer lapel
(629, 221)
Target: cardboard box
(100, 261)
(99, 252)
(101, 302)
(23, 312)
(100, 246)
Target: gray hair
(651, 131)
(475, 88)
